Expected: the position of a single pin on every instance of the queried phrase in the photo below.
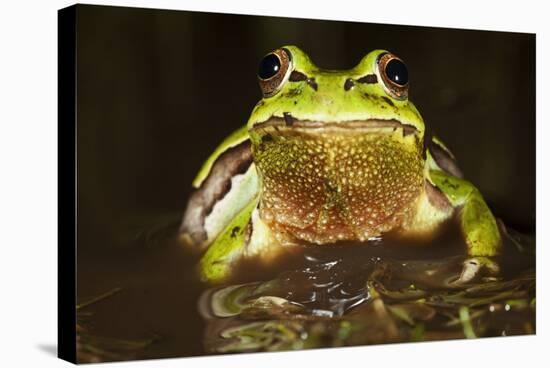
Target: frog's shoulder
(227, 176)
(440, 156)
(236, 143)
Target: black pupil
(397, 72)
(269, 66)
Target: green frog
(330, 156)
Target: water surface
(384, 291)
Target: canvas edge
(67, 203)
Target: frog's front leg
(478, 224)
(216, 264)
(218, 214)
(222, 218)
(225, 184)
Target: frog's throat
(328, 182)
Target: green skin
(331, 105)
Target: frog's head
(374, 91)
(322, 137)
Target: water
(342, 295)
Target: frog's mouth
(369, 126)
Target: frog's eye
(394, 74)
(274, 71)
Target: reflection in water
(344, 296)
(349, 294)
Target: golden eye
(395, 75)
(274, 70)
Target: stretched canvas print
(234, 183)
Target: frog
(329, 156)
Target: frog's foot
(476, 268)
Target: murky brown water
(348, 294)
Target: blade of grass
(98, 298)
(464, 316)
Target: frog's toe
(476, 268)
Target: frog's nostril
(348, 84)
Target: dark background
(158, 90)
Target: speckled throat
(324, 182)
